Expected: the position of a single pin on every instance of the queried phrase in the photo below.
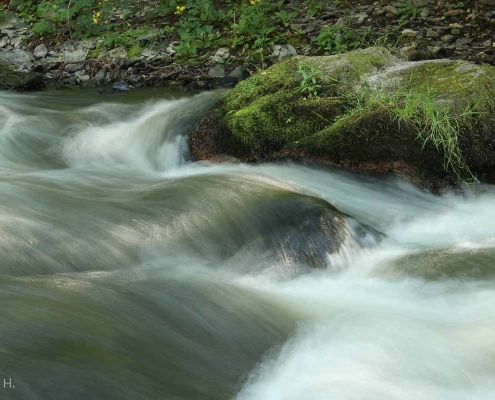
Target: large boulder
(372, 111)
(11, 78)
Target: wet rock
(40, 51)
(121, 87)
(12, 78)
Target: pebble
(431, 33)
(391, 10)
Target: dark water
(129, 272)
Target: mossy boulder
(361, 114)
(10, 78)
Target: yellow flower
(179, 10)
(253, 2)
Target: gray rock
(447, 38)
(22, 59)
(424, 14)
(488, 2)
(9, 32)
(409, 33)
(40, 51)
(217, 72)
(221, 55)
(360, 17)
(431, 33)
(6, 25)
(4, 42)
(10, 78)
(238, 73)
(71, 68)
(391, 10)
(170, 47)
(455, 31)
(282, 52)
(488, 43)
(149, 53)
(118, 53)
(16, 42)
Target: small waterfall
(128, 271)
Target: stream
(127, 271)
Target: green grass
(435, 121)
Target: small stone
(447, 38)
(283, 51)
(488, 2)
(488, 43)
(4, 42)
(149, 53)
(16, 42)
(452, 13)
(431, 33)
(6, 25)
(454, 26)
(221, 55)
(116, 54)
(391, 10)
(424, 14)
(40, 51)
(102, 74)
(170, 48)
(238, 73)
(409, 33)
(120, 87)
(360, 17)
(455, 31)
(217, 72)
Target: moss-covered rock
(369, 108)
(10, 78)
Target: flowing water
(129, 272)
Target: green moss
(437, 114)
(93, 54)
(134, 51)
(274, 120)
(458, 82)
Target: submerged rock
(370, 108)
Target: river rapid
(128, 271)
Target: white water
(127, 271)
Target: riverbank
(147, 48)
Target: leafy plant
(339, 39)
(309, 84)
(315, 7)
(407, 11)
